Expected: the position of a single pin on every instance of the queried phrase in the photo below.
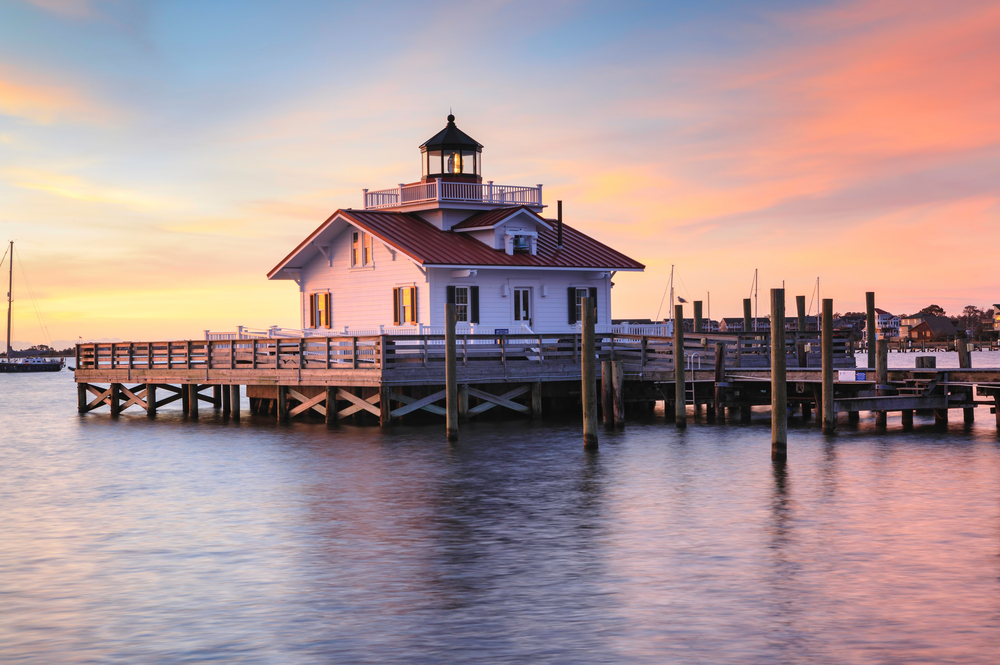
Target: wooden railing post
(588, 376)
(680, 396)
(450, 371)
(826, 353)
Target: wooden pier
(393, 376)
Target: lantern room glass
(433, 162)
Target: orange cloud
(45, 104)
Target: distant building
(735, 324)
(886, 325)
(907, 323)
(933, 329)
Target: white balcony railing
(453, 192)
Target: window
(362, 249)
(580, 295)
(404, 305)
(319, 310)
(576, 295)
(461, 303)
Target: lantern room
(451, 154)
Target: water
(133, 541)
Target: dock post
(965, 362)
(185, 398)
(115, 399)
(588, 376)
(720, 379)
(618, 387)
(234, 399)
(536, 400)
(680, 396)
(81, 397)
(151, 400)
(881, 376)
(779, 387)
(331, 405)
(871, 333)
(227, 400)
(607, 395)
(800, 305)
(826, 351)
(463, 403)
(282, 404)
(217, 396)
(384, 406)
(450, 369)
(907, 416)
(697, 316)
(193, 400)
(747, 309)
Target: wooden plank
(412, 404)
(102, 397)
(499, 400)
(306, 403)
(357, 404)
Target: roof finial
(451, 116)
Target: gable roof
(490, 219)
(427, 245)
(938, 325)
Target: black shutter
(329, 309)
(474, 304)
(413, 304)
(572, 305)
(451, 295)
(395, 307)
(593, 296)
(312, 310)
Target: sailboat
(23, 364)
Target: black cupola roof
(451, 138)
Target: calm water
(133, 541)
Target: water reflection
(170, 540)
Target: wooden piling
(720, 379)
(216, 397)
(234, 399)
(588, 376)
(82, 399)
(115, 399)
(463, 403)
(680, 396)
(826, 352)
(536, 400)
(907, 417)
(779, 386)
(881, 376)
(800, 305)
(193, 400)
(450, 371)
(697, 317)
(384, 406)
(618, 390)
(282, 404)
(870, 331)
(186, 398)
(607, 396)
(151, 400)
(227, 400)
(331, 406)
(747, 315)
(965, 362)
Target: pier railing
(641, 354)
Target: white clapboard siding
(550, 312)
(362, 297)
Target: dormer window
(520, 240)
(521, 244)
(362, 249)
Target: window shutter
(413, 304)
(312, 310)
(593, 296)
(328, 314)
(395, 306)
(572, 305)
(451, 295)
(474, 304)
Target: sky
(158, 158)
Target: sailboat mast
(10, 295)
(671, 312)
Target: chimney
(559, 225)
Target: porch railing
(453, 192)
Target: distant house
(996, 317)
(735, 324)
(932, 329)
(886, 325)
(907, 323)
(792, 323)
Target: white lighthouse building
(449, 237)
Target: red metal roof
(490, 218)
(428, 245)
